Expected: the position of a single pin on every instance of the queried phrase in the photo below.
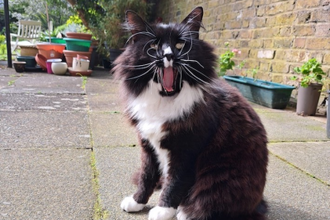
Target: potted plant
(109, 29)
(310, 86)
(269, 94)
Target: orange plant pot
(50, 50)
(70, 54)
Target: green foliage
(225, 60)
(311, 72)
(105, 17)
(58, 11)
(3, 49)
(2, 39)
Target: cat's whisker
(195, 61)
(152, 40)
(148, 34)
(150, 55)
(193, 76)
(187, 65)
(143, 74)
(190, 48)
(140, 67)
(180, 74)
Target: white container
(80, 65)
(59, 68)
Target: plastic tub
(77, 44)
(30, 60)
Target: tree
(59, 11)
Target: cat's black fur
(215, 149)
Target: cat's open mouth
(168, 80)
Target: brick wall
(273, 35)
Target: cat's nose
(169, 56)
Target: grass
(99, 212)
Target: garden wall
(274, 35)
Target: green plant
(3, 48)
(2, 39)
(225, 60)
(311, 72)
(254, 73)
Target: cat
(201, 140)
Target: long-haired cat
(200, 139)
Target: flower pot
(55, 40)
(30, 60)
(114, 53)
(77, 44)
(28, 50)
(19, 66)
(49, 64)
(308, 98)
(269, 94)
(69, 54)
(50, 50)
(59, 68)
(82, 36)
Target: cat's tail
(257, 214)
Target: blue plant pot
(265, 93)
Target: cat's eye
(154, 46)
(179, 45)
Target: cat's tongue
(168, 79)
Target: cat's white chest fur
(152, 111)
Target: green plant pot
(269, 94)
(30, 60)
(55, 40)
(77, 44)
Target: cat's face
(168, 54)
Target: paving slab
(111, 129)
(290, 193)
(42, 102)
(287, 126)
(7, 71)
(293, 195)
(116, 166)
(46, 184)
(104, 102)
(44, 129)
(45, 83)
(102, 85)
(312, 157)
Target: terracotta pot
(70, 54)
(82, 36)
(50, 50)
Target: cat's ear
(135, 24)
(194, 20)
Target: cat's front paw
(130, 205)
(161, 213)
(181, 215)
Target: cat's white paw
(161, 213)
(130, 205)
(181, 215)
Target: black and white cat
(201, 141)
